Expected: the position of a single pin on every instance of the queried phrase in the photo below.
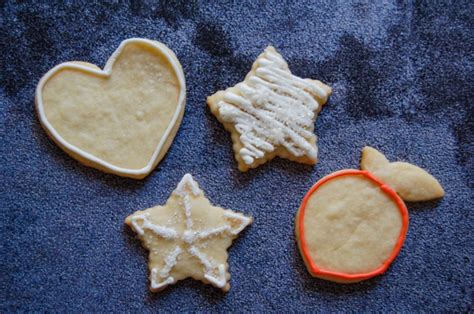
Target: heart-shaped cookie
(121, 119)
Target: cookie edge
(92, 161)
(279, 151)
(340, 277)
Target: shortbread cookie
(411, 182)
(121, 119)
(271, 113)
(187, 237)
(352, 224)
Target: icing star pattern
(189, 240)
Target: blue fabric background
(402, 76)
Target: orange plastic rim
(401, 238)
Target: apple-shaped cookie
(352, 224)
(121, 119)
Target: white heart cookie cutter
(93, 161)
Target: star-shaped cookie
(187, 237)
(271, 113)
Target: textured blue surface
(402, 76)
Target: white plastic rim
(107, 72)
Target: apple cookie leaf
(412, 183)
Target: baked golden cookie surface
(352, 224)
(271, 113)
(412, 183)
(121, 119)
(187, 237)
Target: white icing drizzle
(220, 280)
(213, 272)
(273, 107)
(212, 232)
(187, 211)
(159, 285)
(170, 261)
(187, 183)
(165, 232)
(244, 221)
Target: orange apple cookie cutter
(399, 181)
(359, 276)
